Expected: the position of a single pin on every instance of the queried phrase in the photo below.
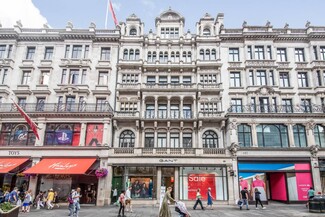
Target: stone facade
(208, 100)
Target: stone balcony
(75, 62)
(169, 86)
(167, 152)
(318, 64)
(260, 63)
(209, 115)
(7, 63)
(128, 86)
(126, 114)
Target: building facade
(165, 108)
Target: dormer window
(133, 31)
(206, 32)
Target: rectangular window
(149, 140)
(162, 140)
(284, 79)
(187, 79)
(251, 77)
(44, 78)
(174, 79)
(319, 78)
(48, 53)
(67, 51)
(103, 78)
(76, 51)
(187, 140)
(299, 55)
(64, 76)
(253, 105)
(40, 103)
(322, 53)
(271, 77)
(235, 79)
(26, 77)
(105, 53)
(302, 79)
(4, 76)
(261, 78)
(162, 79)
(233, 54)
(174, 140)
(264, 104)
(22, 102)
(86, 53)
(306, 105)
(101, 104)
(315, 53)
(83, 76)
(151, 79)
(9, 51)
(236, 105)
(269, 52)
(174, 111)
(287, 105)
(162, 111)
(30, 53)
(249, 52)
(282, 55)
(150, 111)
(74, 76)
(2, 51)
(187, 111)
(259, 53)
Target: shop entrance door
(117, 183)
(167, 178)
(278, 187)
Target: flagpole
(106, 14)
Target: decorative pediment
(70, 89)
(265, 91)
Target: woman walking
(258, 199)
(164, 210)
(121, 200)
(198, 199)
(210, 198)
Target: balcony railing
(277, 109)
(56, 107)
(128, 86)
(163, 114)
(169, 151)
(169, 85)
(210, 86)
(126, 114)
(210, 114)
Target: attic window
(133, 31)
(206, 32)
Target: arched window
(213, 54)
(210, 139)
(127, 139)
(166, 57)
(154, 56)
(299, 134)
(189, 57)
(131, 54)
(161, 56)
(137, 54)
(201, 54)
(207, 54)
(133, 31)
(272, 135)
(184, 56)
(125, 54)
(244, 135)
(172, 56)
(177, 57)
(149, 57)
(319, 134)
(206, 32)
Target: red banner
(202, 182)
(94, 135)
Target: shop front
(64, 174)
(322, 174)
(282, 181)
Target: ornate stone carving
(268, 23)
(233, 148)
(232, 125)
(310, 125)
(265, 90)
(244, 24)
(286, 26)
(307, 24)
(314, 150)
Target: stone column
(176, 184)
(143, 108)
(310, 132)
(156, 107)
(316, 174)
(168, 139)
(181, 139)
(194, 109)
(107, 133)
(233, 185)
(181, 115)
(254, 135)
(291, 136)
(168, 107)
(83, 133)
(33, 179)
(158, 184)
(105, 185)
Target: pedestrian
(39, 200)
(6, 196)
(258, 199)
(198, 199)
(114, 196)
(13, 196)
(164, 209)
(70, 203)
(244, 198)
(128, 199)
(76, 201)
(56, 199)
(27, 201)
(50, 199)
(121, 200)
(310, 194)
(210, 198)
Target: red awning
(8, 164)
(62, 166)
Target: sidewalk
(274, 210)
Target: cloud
(117, 6)
(148, 3)
(23, 10)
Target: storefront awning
(8, 164)
(62, 166)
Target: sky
(35, 13)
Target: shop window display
(192, 178)
(62, 134)
(94, 135)
(17, 135)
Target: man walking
(13, 196)
(244, 198)
(128, 199)
(76, 198)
